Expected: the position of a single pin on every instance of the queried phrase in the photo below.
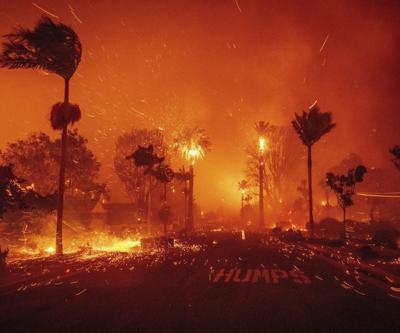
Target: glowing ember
(123, 245)
(50, 250)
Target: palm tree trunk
(190, 201)
(261, 194)
(61, 179)
(310, 198)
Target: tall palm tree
(262, 128)
(55, 48)
(192, 143)
(312, 126)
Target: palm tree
(312, 126)
(56, 48)
(192, 143)
(262, 129)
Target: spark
(81, 292)
(74, 14)
(324, 43)
(237, 5)
(378, 195)
(44, 10)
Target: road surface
(219, 283)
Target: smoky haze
(220, 64)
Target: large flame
(193, 152)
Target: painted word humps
(273, 276)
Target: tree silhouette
(145, 157)
(138, 185)
(11, 190)
(344, 188)
(56, 48)
(35, 159)
(395, 151)
(310, 127)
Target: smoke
(168, 64)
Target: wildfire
(118, 245)
(262, 144)
(37, 246)
(50, 250)
(193, 152)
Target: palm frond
(261, 127)
(312, 125)
(54, 47)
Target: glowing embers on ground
(38, 246)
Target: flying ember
(199, 166)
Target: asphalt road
(221, 283)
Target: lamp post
(262, 145)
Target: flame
(99, 241)
(118, 245)
(262, 144)
(50, 249)
(193, 152)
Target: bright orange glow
(50, 250)
(141, 69)
(262, 145)
(96, 241)
(193, 153)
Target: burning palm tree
(56, 48)
(192, 144)
(261, 128)
(312, 126)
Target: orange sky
(223, 65)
